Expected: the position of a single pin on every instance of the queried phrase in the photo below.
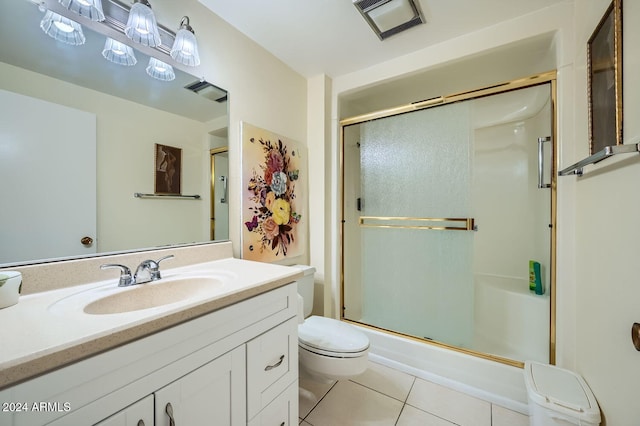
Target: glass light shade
(62, 29)
(91, 9)
(159, 70)
(185, 47)
(142, 26)
(118, 53)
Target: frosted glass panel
(417, 164)
(418, 282)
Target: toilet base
(321, 366)
(305, 374)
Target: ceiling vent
(390, 17)
(208, 90)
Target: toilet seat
(333, 338)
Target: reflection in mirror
(77, 138)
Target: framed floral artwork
(273, 200)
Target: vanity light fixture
(116, 20)
(118, 53)
(390, 17)
(160, 70)
(91, 9)
(62, 29)
(141, 25)
(185, 46)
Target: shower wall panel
(512, 213)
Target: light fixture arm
(184, 25)
(145, 2)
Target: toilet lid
(331, 335)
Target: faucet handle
(165, 258)
(149, 270)
(155, 271)
(125, 273)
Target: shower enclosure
(445, 204)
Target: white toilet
(328, 348)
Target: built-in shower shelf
(608, 151)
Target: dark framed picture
(168, 169)
(604, 60)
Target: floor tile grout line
(399, 415)
(377, 391)
(404, 403)
(410, 389)
(319, 401)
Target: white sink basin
(152, 295)
(178, 290)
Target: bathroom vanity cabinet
(234, 366)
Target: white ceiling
(331, 37)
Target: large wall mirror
(78, 138)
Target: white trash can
(559, 397)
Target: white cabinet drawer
(283, 411)
(272, 365)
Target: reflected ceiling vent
(390, 17)
(208, 90)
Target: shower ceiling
(534, 55)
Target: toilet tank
(305, 287)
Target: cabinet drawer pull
(169, 410)
(140, 422)
(277, 364)
(282, 424)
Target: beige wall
(607, 203)
(263, 91)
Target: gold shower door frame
(212, 189)
(549, 77)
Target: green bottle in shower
(535, 280)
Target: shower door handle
(223, 179)
(541, 142)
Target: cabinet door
(137, 414)
(214, 394)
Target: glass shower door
(444, 209)
(411, 172)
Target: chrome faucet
(147, 271)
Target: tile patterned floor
(383, 396)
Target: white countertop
(48, 330)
